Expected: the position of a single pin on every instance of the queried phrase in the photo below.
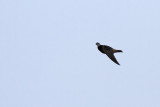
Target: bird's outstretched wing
(110, 54)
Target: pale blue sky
(48, 56)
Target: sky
(48, 56)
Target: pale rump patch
(114, 50)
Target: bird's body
(101, 48)
(109, 51)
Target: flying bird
(109, 51)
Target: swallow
(109, 51)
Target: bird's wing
(110, 54)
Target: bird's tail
(118, 51)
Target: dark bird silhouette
(109, 51)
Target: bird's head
(98, 44)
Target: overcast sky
(48, 56)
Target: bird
(109, 51)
